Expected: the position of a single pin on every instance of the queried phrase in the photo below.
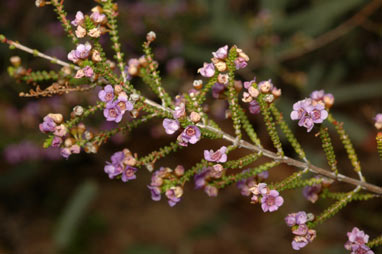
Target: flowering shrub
(186, 116)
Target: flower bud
(276, 92)
(40, 3)
(178, 191)
(151, 36)
(195, 117)
(78, 110)
(198, 84)
(238, 85)
(97, 9)
(179, 170)
(91, 148)
(134, 113)
(134, 97)
(15, 61)
(218, 167)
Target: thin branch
(242, 143)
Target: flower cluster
(357, 240)
(204, 177)
(270, 199)
(52, 123)
(115, 109)
(134, 66)
(253, 90)
(303, 235)
(81, 52)
(122, 163)
(158, 180)
(308, 112)
(245, 185)
(219, 156)
(98, 20)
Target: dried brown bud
(69, 142)
(198, 84)
(81, 128)
(238, 85)
(40, 3)
(57, 118)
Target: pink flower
(170, 126)
(218, 156)
(221, 53)
(208, 70)
(272, 201)
(79, 20)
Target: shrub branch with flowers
(186, 120)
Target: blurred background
(52, 205)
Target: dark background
(52, 205)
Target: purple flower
(155, 192)
(299, 242)
(98, 17)
(128, 174)
(112, 112)
(174, 194)
(290, 219)
(317, 95)
(107, 94)
(88, 71)
(240, 63)
(361, 249)
(311, 192)
(81, 52)
(221, 53)
(200, 178)
(170, 126)
(48, 125)
(271, 201)
(301, 218)
(208, 70)
(211, 191)
(79, 20)
(60, 130)
(56, 142)
(318, 113)
(179, 111)
(218, 156)
(356, 237)
(190, 135)
(217, 89)
(308, 113)
(123, 103)
(254, 107)
(301, 230)
(65, 152)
